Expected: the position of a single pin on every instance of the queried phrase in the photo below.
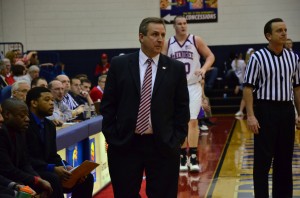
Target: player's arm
(205, 53)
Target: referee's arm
(252, 122)
(297, 104)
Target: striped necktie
(145, 101)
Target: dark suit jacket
(169, 103)
(14, 163)
(42, 154)
(4, 181)
(3, 83)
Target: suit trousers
(127, 167)
(273, 147)
(5, 192)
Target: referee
(271, 83)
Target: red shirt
(101, 69)
(96, 93)
(10, 79)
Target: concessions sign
(195, 11)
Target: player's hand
(200, 73)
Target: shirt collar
(37, 120)
(144, 58)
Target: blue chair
(5, 93)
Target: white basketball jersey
(188, 54)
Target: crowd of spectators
(31, 102)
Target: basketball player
(188, 49)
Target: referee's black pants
(274, 143)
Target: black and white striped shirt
(273, 76)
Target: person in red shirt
(9, 77)
(97, 92)
(103, 67)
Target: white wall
(1, 23)
(107, 24)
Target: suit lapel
(162, 68)
(134, 69)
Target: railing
(9, 46)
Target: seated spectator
(39, 82)
(249, 53)
(86, 85)
(32, 59)
(68, 99)
(32, 73)
(11, 56)
(3, 73)
(62, 113)
(97, 92)
(210, 77)
(80, 96)
(81, 76)
(18, 72)
(19, 90)
(8, 188)
(240, 112)
(235, 76)
(41, 141)
(204, 115)
(288, 44)
(14, 164)
(102, 67)
(27, 58)
(9, 77)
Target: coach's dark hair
(145, 22)
(34, 94)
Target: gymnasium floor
(226, 158)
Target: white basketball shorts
(195, 94)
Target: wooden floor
(226, 159)
(210, 151)
(232, 178)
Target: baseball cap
(104, 56)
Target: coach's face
(152, 43)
